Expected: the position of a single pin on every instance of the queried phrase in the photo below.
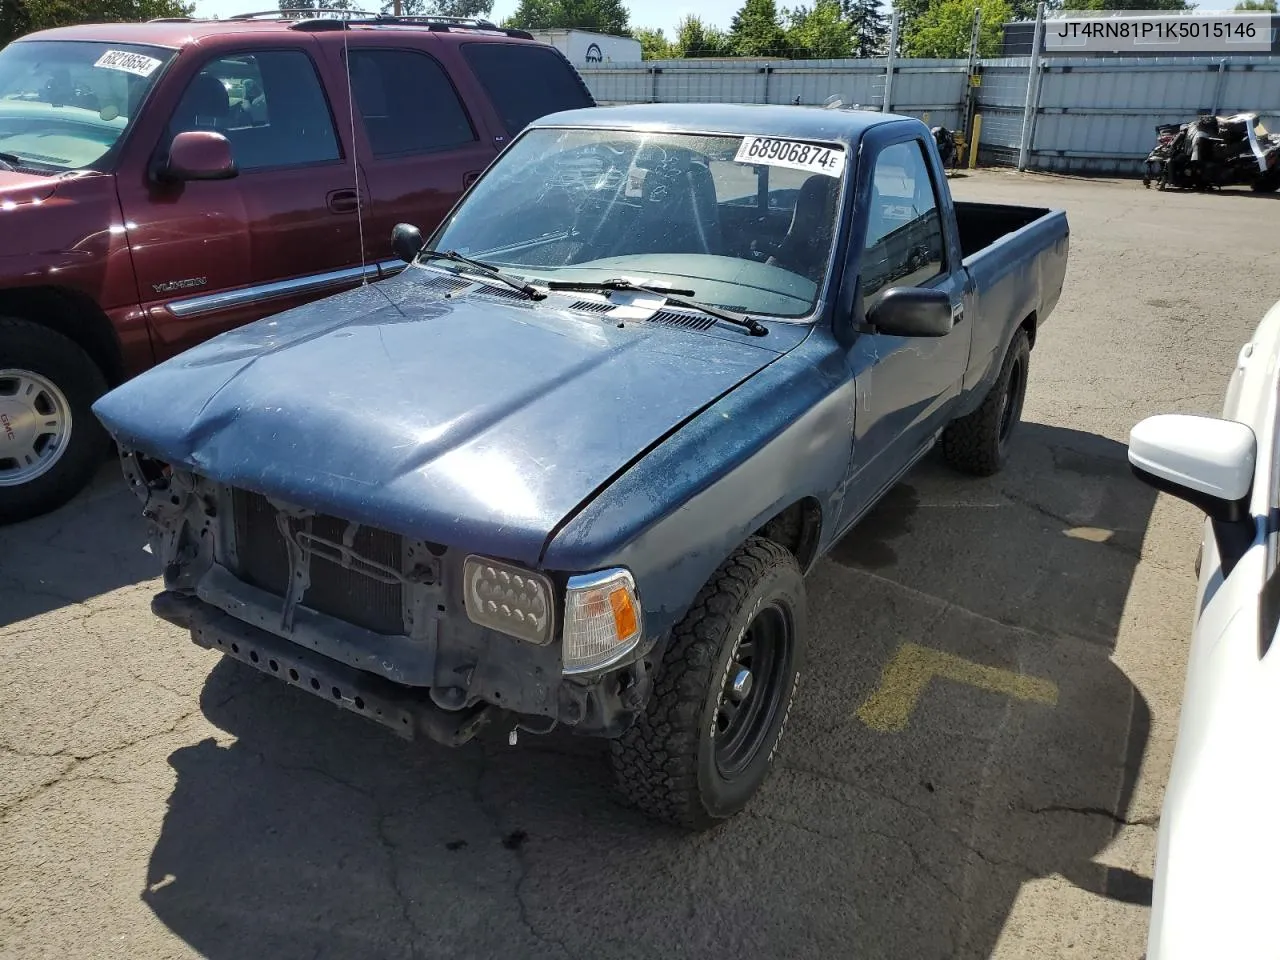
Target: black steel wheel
(721, 695)
(978, 443)
(753, 689)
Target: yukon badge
(171, 285)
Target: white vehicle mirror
(1206, 461)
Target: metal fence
(1087, 114)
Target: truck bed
(1016, 258)
(982, 224)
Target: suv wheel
(978, 443)
(50, 441)
(721, 696)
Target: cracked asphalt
(156, 802)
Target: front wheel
(721, 695)
(978, 443)
(50, 441)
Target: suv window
(904, 231)
(525, 82)
(408, 103)
(269, 105)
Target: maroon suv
(162, 182)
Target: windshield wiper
(487, 268)
(10, 160)
(674, 297)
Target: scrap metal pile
(1211, 152)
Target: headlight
(509, 599)
(602, 620)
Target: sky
(663, 14)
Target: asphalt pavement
(973, 767)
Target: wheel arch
(1030, 323)
(74, 315)
(797, 528)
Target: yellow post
(977, 135)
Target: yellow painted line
(1092, 534)
(905, 677)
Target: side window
(904, 245)
(525, 82)
(269, 105)
(408, 103)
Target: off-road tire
(665, 764)
(30, 346)
(978, 443)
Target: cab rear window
(526, 82)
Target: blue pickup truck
(569, 467)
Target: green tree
(696, 39)
(654, 45)
(820, 32)
(909, 14)
(944, 30)
(1262, 6)
(601, 16)
(28, 15)
(437, 8)
(14, 20)
(756, 30)
(870, 27)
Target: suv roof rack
(334, 18)
(304, 13)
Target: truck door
(210, 255)
(904, 386)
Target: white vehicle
(1219, 836)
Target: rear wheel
(979, 442)
(721, 696)
(50, 441)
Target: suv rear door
(424, 137)
(216, 254)
(525, 81)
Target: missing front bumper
(407, 712)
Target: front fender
(674, 516)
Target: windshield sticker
(122, 60)
(791, 153)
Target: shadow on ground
(314, 834)
(93, 545)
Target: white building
(584, 48)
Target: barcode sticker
(136, 63)
(795, 154)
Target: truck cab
(163, 182)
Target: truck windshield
(65, 104)
(746, 223)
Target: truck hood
(18, 188)
(474, 421)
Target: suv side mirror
(912, 312)
(406, 241)
(199, 155)
(1205, 461)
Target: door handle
(469, 178)
(343, 201)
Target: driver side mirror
(407, 242)
(199, 155)
(912, 312)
